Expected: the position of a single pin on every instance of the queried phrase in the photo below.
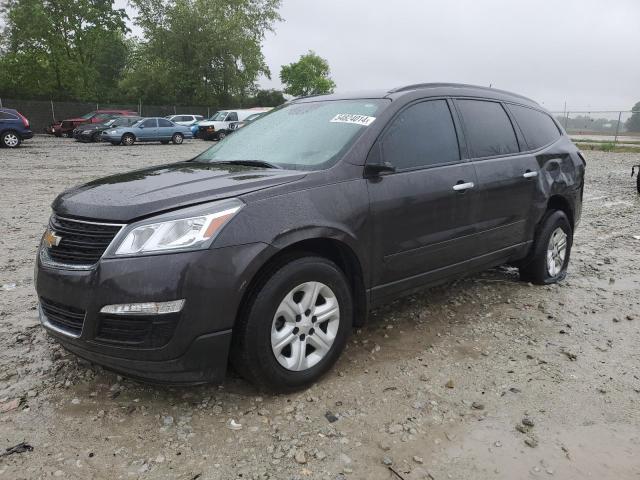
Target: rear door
(423, 212)
(506, 177)
(166, 129)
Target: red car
(65, 128)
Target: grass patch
(607, 147)
(620, 140)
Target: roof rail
(419, 86)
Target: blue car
(152, 129)
(14, 128)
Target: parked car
(186, 120)
(233, 126)
(270, 246)
(14, 128)
(217, 127)
(152, 129)
(66, 127)
(93, 132)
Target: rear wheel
(10, 139)
(552, 249)
(295, 326)
(128, 139)
(177, 138)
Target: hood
(76, 120)
(93, 126)
(128, 196)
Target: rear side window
(164, 123)
(150, 122)
(538, 127)
(422, 135)
(488, 128)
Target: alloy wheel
(11, 140)
(556, 251)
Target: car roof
(427, 90)
(8, 110)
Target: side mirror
(141, 126)
(378, 169)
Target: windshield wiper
(249, 163)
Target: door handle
(461, 187)
(530, 174)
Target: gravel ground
(487, 377)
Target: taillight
(25, 122)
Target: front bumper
(212, 283)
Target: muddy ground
(439, 385)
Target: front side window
(488, 129)
(232, 117)
(149, 123)
(300, 136)
(162, 122)
(420, 136)
(537, 127)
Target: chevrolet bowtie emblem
(50, 239)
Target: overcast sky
(584, 52)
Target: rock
(394, 428)
(233, 425)
(418, 459)
(477, 406)
(160, 459)
(531, 442)
(320, 455)
(168, 420)
(345, 459)
(386, 446)
(449, 384)
(75, 401)
(330, 417)
(521, 428)
(528, 422)
(630, 317)
(387, 461)
(10, 405)
(300, 457)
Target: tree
(199, 51)
(307, 76)
(62, 48)
(633, 123)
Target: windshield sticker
(350, 118)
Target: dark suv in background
(14, 128)
(271, 245)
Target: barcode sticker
(350, 118)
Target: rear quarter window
(537, 127)
(488, 128)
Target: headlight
(191, 229)
(112, 132)
(86, 131)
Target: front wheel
(295, 326)
(552, 249)
(128, 139)
(221, 135)
(10, 139)
(177, 138)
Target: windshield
(108, 123)
(87, 116)
(299, 136)
(119, 122)
(218, 117)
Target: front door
(423, 212)
(147, 130)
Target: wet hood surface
(127, 196)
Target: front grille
(82, 243)
(69, 319)
(137, 330)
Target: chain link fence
(602, 125)
(41, 113)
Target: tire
(177, 138)
(638, 182)
(221, 135)
(68, 134)
(253, 351)
(95, 137)
(551, 250)
(128, 139)
(10, 139)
